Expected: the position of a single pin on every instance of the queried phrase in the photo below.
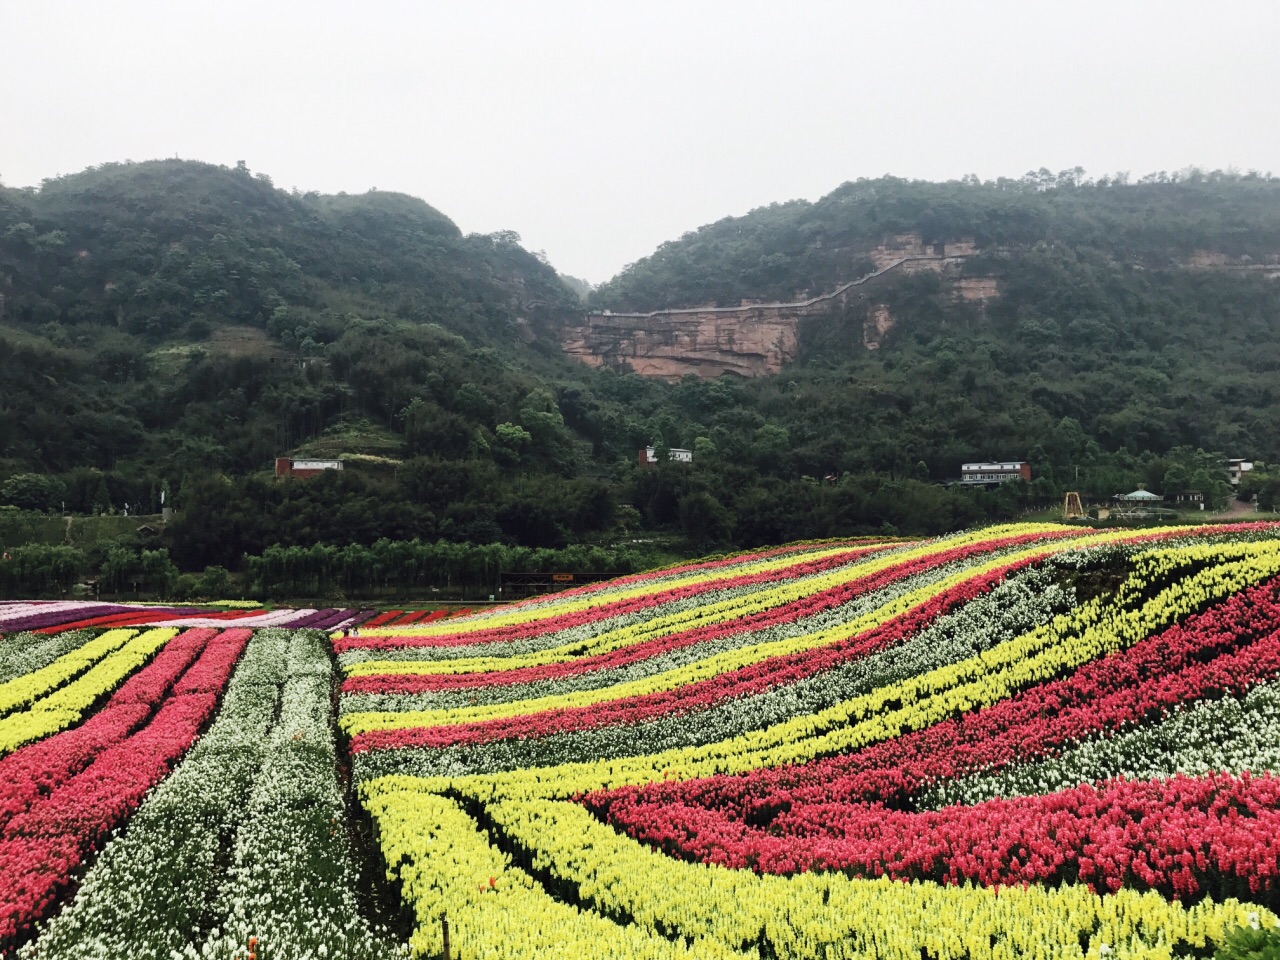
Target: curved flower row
(755, 576)
(1223, 651)
(554, 609)
(919, 702)
(674, 615)
(1180, 836)
(695, 695)
(1011, 608)
(771, 654)
(569, 640)
(610, 590)
(427, 676)
(445, 864)
(1234, 734)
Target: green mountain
(1126, 325)
(175, 326)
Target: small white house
(648, 457)
(975, 474)
(1237, 467)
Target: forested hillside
(171, 327)
(1133, 324)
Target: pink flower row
(745, 681)
(34, 770)
(606, 610)
(72, 789)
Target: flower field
(1025, 740)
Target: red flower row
(37, 768)
(129, 618)
(86, 781)
(383, 618)
(604, 611)
(745, 681)
(783, 613)
(1178, 836)
(152, 615)
(769, 816)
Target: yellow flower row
(66, 705)
(711, 666)
(1086, 633)
(558, 606)
(706, 615)
(730, 609)
(533, 613)
(22, 691)
(444, 864)
(618, 874)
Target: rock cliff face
(749, 341)
(1267, 265)
(754, 338)
(878, 323)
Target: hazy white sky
(597, 130)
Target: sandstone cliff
(755, 338)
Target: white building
(1236, 467)
(678, 454)
(978, 474)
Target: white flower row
(1011, 608)
(27, 652)
(599, 679)
(1231, 734)
(174, 883)
(292, 879)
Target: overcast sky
(597, 130)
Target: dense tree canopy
(175, 326)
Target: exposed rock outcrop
(976, 289)
(878, 323)
(754, 338)
(748, 341)
(1267, 265)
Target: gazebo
(1140, 503)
